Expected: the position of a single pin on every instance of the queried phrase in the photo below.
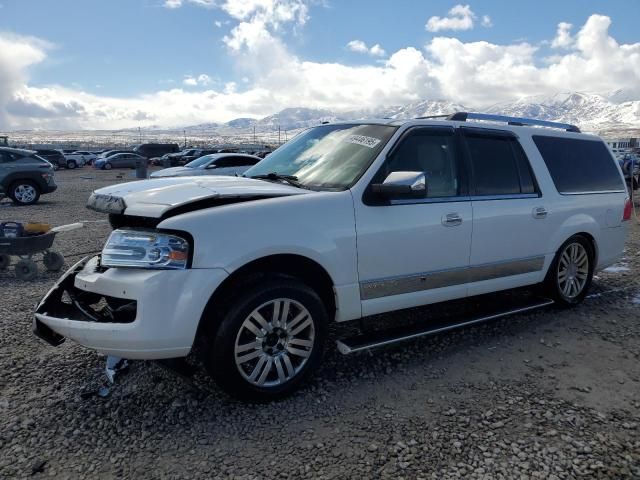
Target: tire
(26, 269)
(5, 261)
(107, 166)
(24, 192)
(53, 261)
(278, 358)
(571, 272)
(71, 164)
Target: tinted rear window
(579, 166)
(500, 167)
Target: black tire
(26, 269)
(5, 261)
(553, 283)
(16, 192)
(107, 166)
(53, 261)
(71, 164)
(219, 350)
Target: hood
(157, 197)
(170, 172)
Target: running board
(391, 336)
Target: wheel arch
(296, 266)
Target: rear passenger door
(510, 216)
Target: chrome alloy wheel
(573, 270)
(25, 193)
(274, 342)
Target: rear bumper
(160, 318)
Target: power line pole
(278, 134)
(184, 132)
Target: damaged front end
(66, 301)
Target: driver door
(416, 251)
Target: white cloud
(271, 77)
(359, 46)
(460, 18)
(202, 80)
(172, 4)
(563, 36)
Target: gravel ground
(550, 394)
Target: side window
(499, 165)
(578, 165)
(432, 151)
(6, 157)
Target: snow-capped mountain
(589, 111)
(592, 112)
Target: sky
(96, 64)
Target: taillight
(626, 215)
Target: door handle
(451, 220)
(540, 212)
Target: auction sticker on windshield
(363, 140)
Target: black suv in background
(54, 157)
(24, 176)
(151, 150)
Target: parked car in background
(196, 153)
(54, 157)
(343, 222)
(151, 150)
(213, 164)
(119, 160)
(108, 153)
(24, 175)
(81, 157)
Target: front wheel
(71, 164)
(571, 271)
(269, 341)
(107, 166)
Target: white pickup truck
(343, 222)
(79, 159)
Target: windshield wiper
(290, 179)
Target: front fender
(319, 226)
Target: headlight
(144, 249)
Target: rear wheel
(571, 271)
(71, 164)
(53, 261)
(107, 166)
(24, 192)
(270, 340)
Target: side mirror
(402, 185)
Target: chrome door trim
(418, 282)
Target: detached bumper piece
(65, 301)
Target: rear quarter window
(579, 166)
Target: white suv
(343, 222)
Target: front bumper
(158, 315)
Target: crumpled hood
(156, 197)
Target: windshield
(329, 156)
(200, 162)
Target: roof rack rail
(446, 115)
(521, 122)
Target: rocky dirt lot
(550, 394)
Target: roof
(22, 151)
